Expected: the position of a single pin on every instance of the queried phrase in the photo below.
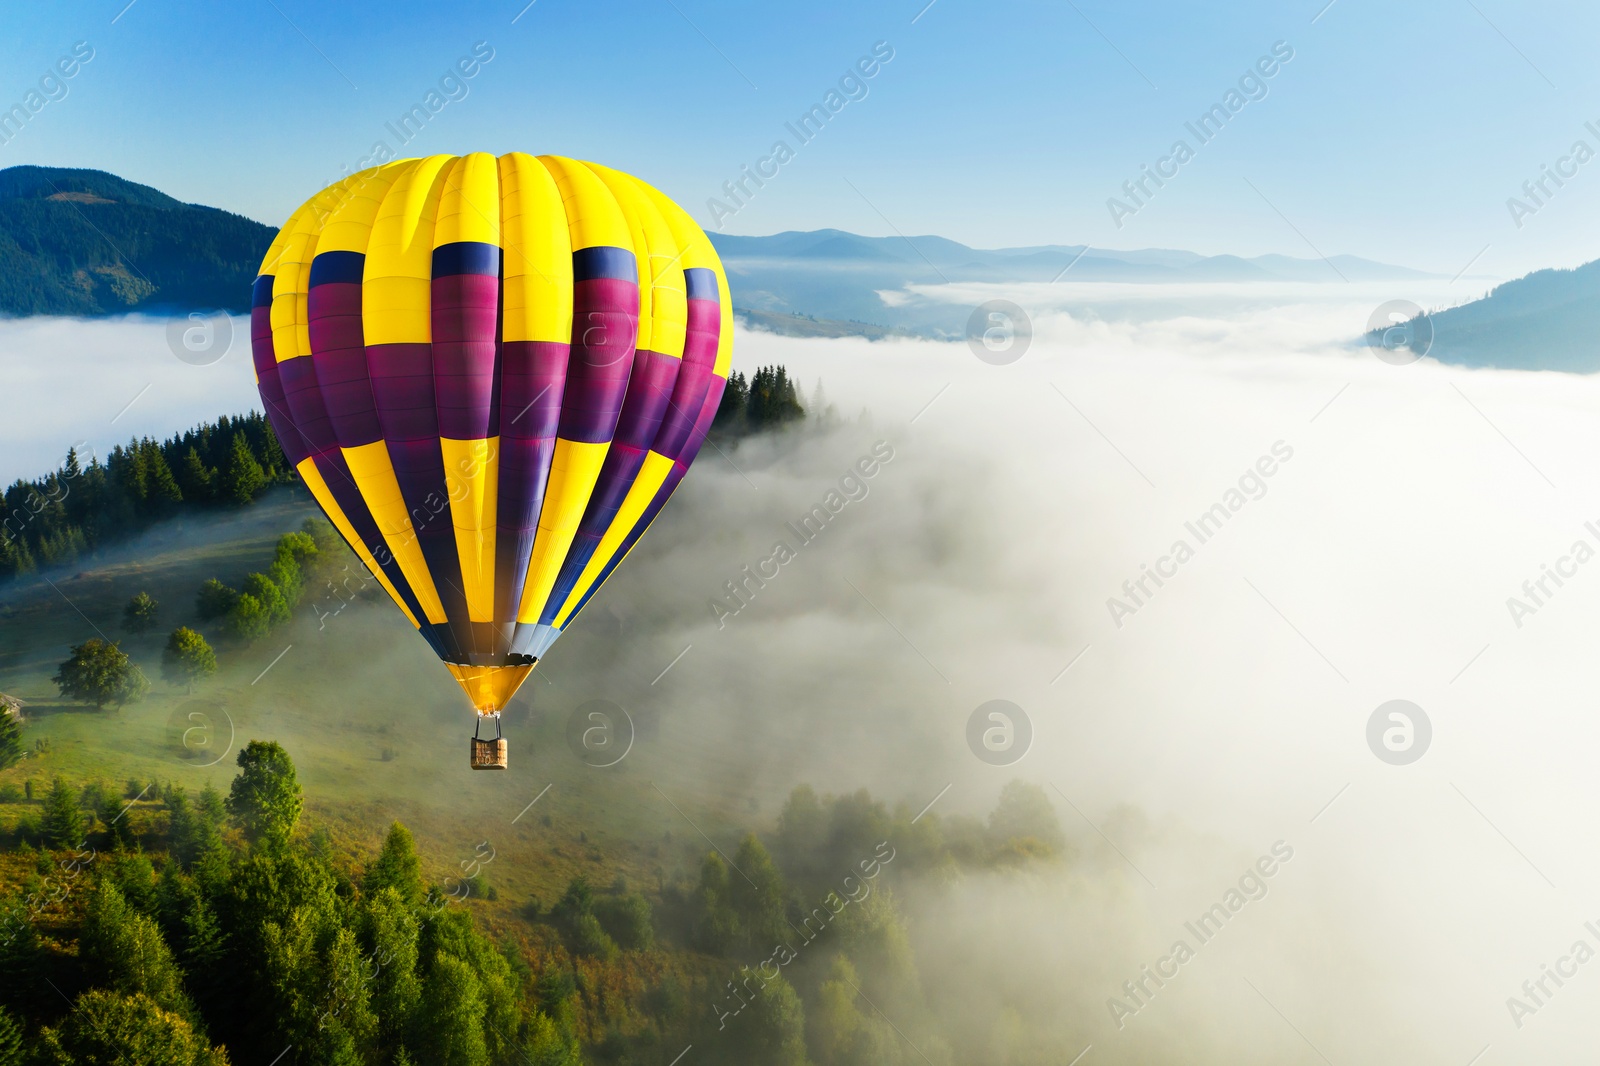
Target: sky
(1394, 132)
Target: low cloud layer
(97, 382)
(1007, 508)
(1229, 711)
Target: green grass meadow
(376, 727)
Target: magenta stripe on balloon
(605, 327)
(339, 351)
(268, 380)
(689, 391)
(697, 437)
(402, 388)
(303, 398)
(649, 388)
(465, 312)
(532, 381)
(419, 470)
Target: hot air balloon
(491, 373)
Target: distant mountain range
(946, 260)
(837, 277)
(1547, 320)
(84, 242)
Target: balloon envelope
(491, 373)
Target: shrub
(303, 545)
(99, 672)
(214, 600)
(269, 595)
(626, 919)
(286, 575)
(248, 619)
(588, 938)
(187, 658)
(140, 614)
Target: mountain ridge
(75, 241)
(1084, 261)
(1545, 320)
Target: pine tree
(451, 1015)
(243, 476)
(113, 814)
(389, 931)
(15, 558)
(195, 479)
(128, 952)
(108, 1027)
(11, 1046)
(773, 400)
(11, 751)
(265, 797)
(715, 926)
(21, 953)
(396, 866)
(195, 829)
(758, 898)
(277, 462)
(63, 819)
(205, 944)
(163, 492)
(730, 417)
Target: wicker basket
(489, 754)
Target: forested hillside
(84, 242)
(1547, 320)
(88, 503)
(201, 930)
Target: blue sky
(1397, 133)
